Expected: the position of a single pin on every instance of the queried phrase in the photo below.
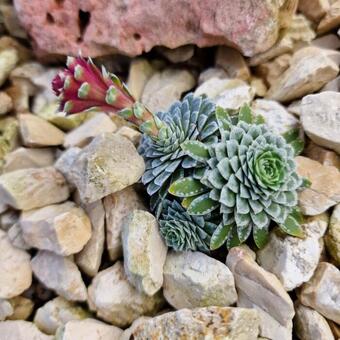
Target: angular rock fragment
(205, 323)
(193, 279)
(37, 132)
(21, 330)
(262, 291)
(15, 269)
(27, 189)
(22, 308)
(88, 329)
(108, 164)
(59, 274)
(324, 191)
(117, 207)
(291, 259)
(332, 238)
(116, 301)
(6, 309)
(144, 252)
(322, 292)
(61, 228)
(56, 313)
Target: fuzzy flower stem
(82, 86)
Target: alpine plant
(249, 176)
(212, 178)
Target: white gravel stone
(144, 252)
(59, 274)
(322, 292)
(116, 301)
(6, 309)
(27, 189)
(56, 313)
(15, 269)
(61, 228)
(291, 259)
(193, 279)
(88, 329)
(108, 164)
(21, 330)
(117, 206)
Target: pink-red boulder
(99, 27)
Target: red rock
(99, 27)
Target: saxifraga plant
(249, 176)
(213, 162)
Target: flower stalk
(82, 86)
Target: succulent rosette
(183, 232)
(249, 175)
(189, 119)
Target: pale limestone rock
(177, 55)
(276, 116)
(21, 330)
(333, 85)
(144, 252)
(23, 158)
(133, 135)
(27, 189)
(272, 70)
(8, 219)
(15, 269)
(332, 238)
(8, 60)
(323, 156)
(117, 206)
(14, 234)
(320, 118)
(201, 323)
(291, 259)
(288, 9)
(164, 87)
(127, 334)
(8, 137)
(310, 69)
(322, 292)
(139, 73)
(232, 62)
(22, 307)
(61, 228)
(7, 42)
(262, 291)
(211, 72)
(21, 91)
(89, 258)
(83, 134)
(227, 93)
(298, 32)
(36, 131)
(324, 191)
(116, 301)
(329, 41)
(193, 279)
(6, 103)
(6, 309)
(331, 19)
(56, 313)
(259, 87)
(310, 325)
(314, 9)
(295, 107)
(11, 21)
(108, 164)
(88, 329)
(59, 274)
(335, 328)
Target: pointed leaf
(259, 119)
(187, 201)
(233, 240)
(223, 118)
(291, 135)
(186, 187)
(298, 145)
(202, 205)
(260, 236)
(245, 114)
(306, 183)
(292, 225)
(219, 236)
(196, 150)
